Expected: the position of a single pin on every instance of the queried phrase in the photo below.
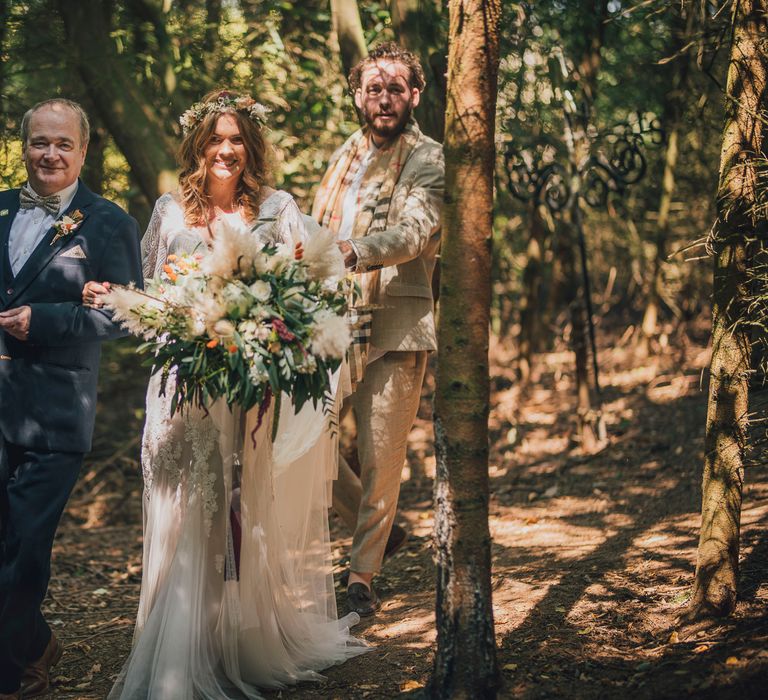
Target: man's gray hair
(85, 127)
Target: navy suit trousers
(34, 488)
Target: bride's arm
(154, 247)
(294, 228)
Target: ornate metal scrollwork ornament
(617, 161)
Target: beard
(388, 130)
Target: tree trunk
(134, 125)
(591, 425)
(594, 14)
(742, 157)
(682, 30)
(531, 311)
(93, 169)
(5, 9)
(651, 315)
(465, 661)
(417, 28)
(349, 31)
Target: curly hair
(390, 51)
(194, 170)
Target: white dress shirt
(349, 207)
(30, 226)
(350, 203)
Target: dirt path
(593, 557)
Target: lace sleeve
(291, 226)
(154, 244)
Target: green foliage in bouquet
(245, 322)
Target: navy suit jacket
(48, 382)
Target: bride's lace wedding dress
(211, 624)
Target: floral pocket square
(76, 252)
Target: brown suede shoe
(35, 680)
(11, 696)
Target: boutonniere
(67, 225)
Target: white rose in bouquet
(261, 290)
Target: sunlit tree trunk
(136, 128)
(465, 661)
(349, 31)
(742, 158)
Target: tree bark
(132, 121)
(4, 16)
(349, 30)
(417, 28)
(594, 14)
(154, 13)
(682, 30)
(739, 214)
(591, 424)
(530, 310)
(465, 661)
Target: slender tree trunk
(349, 30)
(594, 14)
(531, 311)
(742, 157)
(465, 661)
(93, 170)
(651, 315)
(5, 9)
(591, 426)
(212, 21)
(682, 30)
(134, 125)
(155, 14)
(417, 27)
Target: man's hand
(16, 322)
(93, 293)
(350, 256)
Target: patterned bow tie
(29, 200)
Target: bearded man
(382, 195)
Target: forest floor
(593, 555)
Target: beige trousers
(385, 405)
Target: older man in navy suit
(55, 235)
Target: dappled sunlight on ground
(593, 555)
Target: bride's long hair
(194, 171)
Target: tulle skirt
(237, 592)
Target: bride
(236, 590)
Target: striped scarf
(374, 199)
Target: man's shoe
(36, 680)
(362, 600)
(398, 536)
(11, 696)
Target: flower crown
(225, 102)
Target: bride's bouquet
(244, 321)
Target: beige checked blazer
(405, 250)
